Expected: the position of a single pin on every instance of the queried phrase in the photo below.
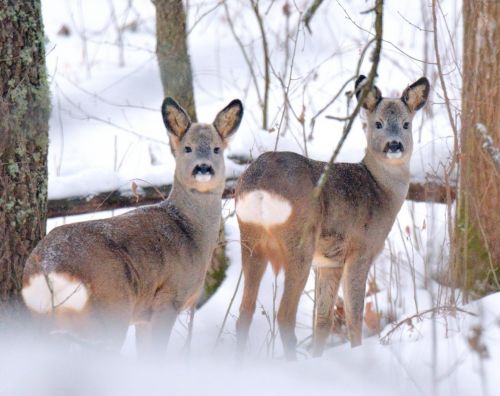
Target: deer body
(143, 267)
(340, 232)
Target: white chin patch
(394, 155)
(203, 177)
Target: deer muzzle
(394, 149)
(203, 172)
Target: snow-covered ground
(442, 354)
(106, 130)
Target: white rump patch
(200, 177)
(64, 292)
(320, 261)
(261, 207)
(396, 155)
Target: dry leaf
(372, 317)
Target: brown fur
(148, 264)
(345, 227)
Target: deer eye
(378, 125)
(406, 125)
(187, 149)
(217, 150)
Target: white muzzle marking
(203, 177)
(264, 208)
(394, 155)
(64, 292)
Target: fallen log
(419, 192)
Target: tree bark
(172, 52)
(476, 256)
(24, 112)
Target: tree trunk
(172, 53)
(24, 111)
(477, 236)
(177, 81)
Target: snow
(106, 128)
(106, 131)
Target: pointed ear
(372, 98)
(175, 118)
(228, 120)
(416, 94)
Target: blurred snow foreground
(433, 348)
(106, 130)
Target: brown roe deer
(94, 278)
(341, 232)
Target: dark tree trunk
(24, 111)
(477, 232)
(172, 53)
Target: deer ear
(175, 118)
(416, 94)
(228, 120)
(372, 98)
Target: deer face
(389, 121)
(199, 148)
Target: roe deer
(340, 232)
(95, 278)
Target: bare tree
(477, 237)
(172, 53)
(24, 111)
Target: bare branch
(379, 4)
(265, 49)
(310, 13)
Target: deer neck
(202, 209)
(394, 179)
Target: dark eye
(187, 149)
(378, 125)
(217, 150)
(406, 125)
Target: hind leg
(96, 328)
(298, 256)
(327, 286)
(254, 265)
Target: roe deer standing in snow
(95, 278)
(340, 232)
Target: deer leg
(143, 339)
(327, 286)
(253, 266)
(152, 337)
(354, 286)
(296, 274)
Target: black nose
(394, 146)
(203, 169)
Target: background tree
(172, 52)
(24, 112)
(177, 80)
(477, 235)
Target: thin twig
(221, 330)
(265, 49)
(379, 4)
(434, 310)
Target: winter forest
(234, 197)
